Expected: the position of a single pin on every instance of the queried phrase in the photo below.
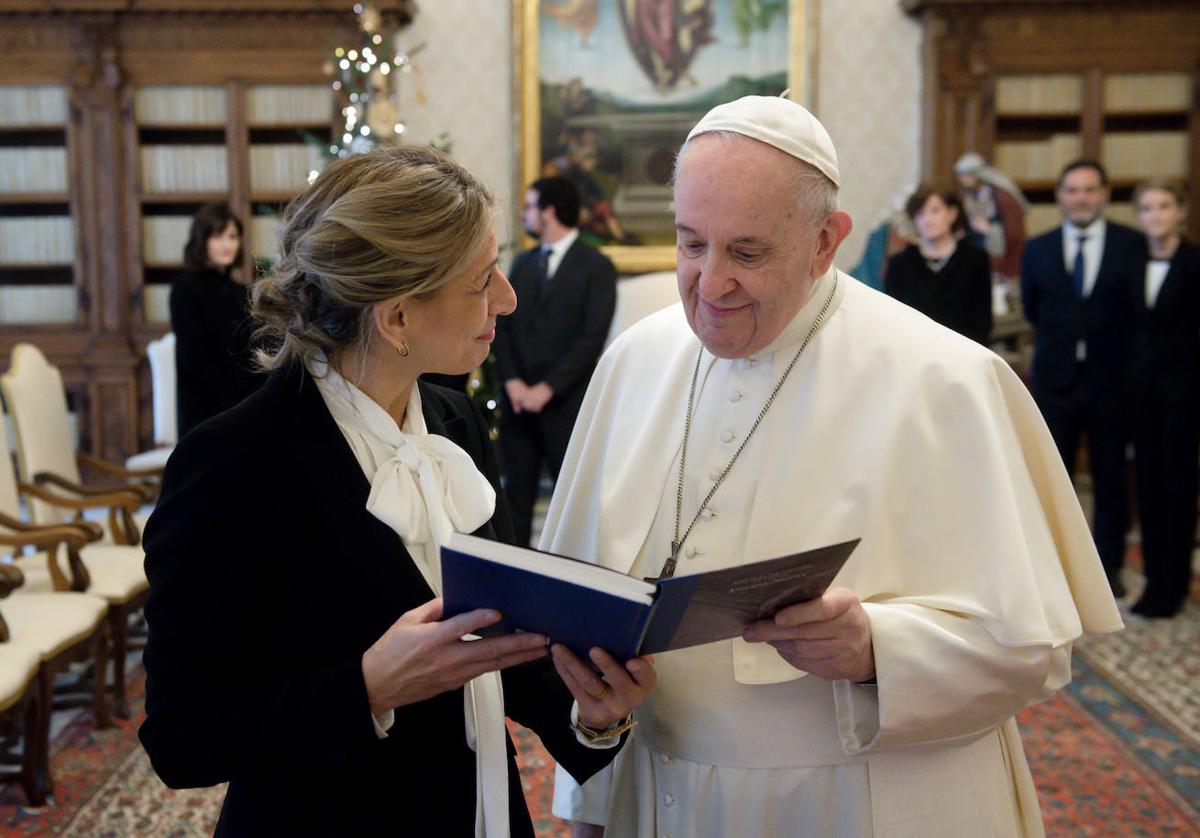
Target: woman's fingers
(429, 612)
(472, 621)
(499, 662)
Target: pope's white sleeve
(588, 802)
(941, 678)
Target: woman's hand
(420, 657)
(604, 701)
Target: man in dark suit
(1077, 290)
(546, 350)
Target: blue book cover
(581, 605)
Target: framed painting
(608, 90)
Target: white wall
(869, 99)
(462, 85)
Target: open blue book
(582, 605)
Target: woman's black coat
(268, 581)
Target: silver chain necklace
(677, 543)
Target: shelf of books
(256, 146)
(288, 127)
(183, 163)
(37, 232)
(1143, 122)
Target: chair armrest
(42, 538)
(143, 493)
(17, 524)
(88, 531)
(114, 470)
(91, 499)
(121, 505)
(11, 578)
(47, 539)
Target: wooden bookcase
(1032, 84)
(242, 143)
(123, 89)
(37, 237)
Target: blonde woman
(1167, 394)
(297, 648)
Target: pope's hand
(422, 655)
(604, 701)
(829, 636)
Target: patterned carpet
(1116, 754)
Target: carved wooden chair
(59, 628)
(69, 559)
(161, 354)
(50, 468)
(19, 718)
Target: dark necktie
(543, 265)
(1078, 271)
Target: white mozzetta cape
(976, 567)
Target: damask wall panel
(869, 98)
(462, 86)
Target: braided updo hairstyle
(391, 222)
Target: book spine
(288, 105)
(33, 170)
(37, 241)
(156, 303)
(163, 239)
(184, 168)
(1138, 92)
(180, 105)
(264, 234)
(40, 104)
(37, 303)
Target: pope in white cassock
(822, 411)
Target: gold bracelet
(610, 732)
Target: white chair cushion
(161, 354)
(51, 623)
(18, 664)
(118, 573)
(154, 458)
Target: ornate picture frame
(607, 90)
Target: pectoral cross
(669, 568)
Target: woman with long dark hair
(211, 320)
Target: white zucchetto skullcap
(778, 122)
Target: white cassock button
(691, 552)
(743, 363)
(668, 800)
(727, 436)
(707, 514)
(735, 396)
(664, 759)
(714, 475)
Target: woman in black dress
(943, 276)
(1166, 394)
(211, 320)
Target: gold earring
(403, 350)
